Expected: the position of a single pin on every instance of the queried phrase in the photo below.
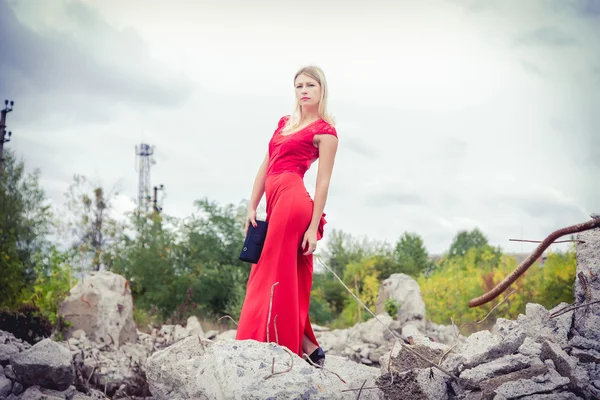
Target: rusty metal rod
(539, 241)
(520, 270)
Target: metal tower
(143, 163)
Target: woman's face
(308, 91)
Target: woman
(278, 293)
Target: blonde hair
(317, 74)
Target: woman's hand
(250, 219)
(310, 241)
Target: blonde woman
(295, 221)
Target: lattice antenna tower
(143, 163)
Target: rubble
(102, 306)
(543, 354)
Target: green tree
(409, 257)
(147, 257)
(320, 309)
(53, 280)
(87, 223)
(558, 278)
(182, 267)
(466, 240)
(343, 249)
(486, 256)
(447, 290)
(25, 221)
(363, 279)
(211, 247)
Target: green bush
(391, 307)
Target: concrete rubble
(539, 355)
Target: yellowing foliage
(447, 291)
(363, 280)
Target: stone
(101, 305)
(405, 291)
(489, 386)
(538, 325)
(583, 343)
(587, 284)
(372, 331)
(565, 365)
(17, 388)
(193, 326)
(539, 384)
(6, 386)
(202, 369)
(34, 393)
(7, 350)
(483, 346)
(500, 366)
(586, 356)
(530, 347)
(47, 364)
(10, 372)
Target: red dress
(289, 212)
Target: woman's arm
(257, 192)
(328, 145)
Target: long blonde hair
(317, 74)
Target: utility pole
(157, 209)
(4, 137)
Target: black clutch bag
(254, 242)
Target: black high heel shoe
(317, 357)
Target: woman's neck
(309, 115)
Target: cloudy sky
(452, 114)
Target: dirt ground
(404, 384)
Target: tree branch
(528, 262)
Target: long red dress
(289, 212)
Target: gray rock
(452, 363)
(504, 326)
(7, 350)
(501, 366)
(62, 394)
(47, 364)
(489, 386)
(540, 327)
(102, 306)
(586, 356)
(587, 319)
(530, 348)
(34, 393)
(475, 348)
(565, 365)
(552, 396)
(17, 388)
(540, 384)
(483, 346)
(405, 291)
(583, 343)
(5, 386)
(593, 392)
(202, 369)
(474, 395)
(10, 372)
